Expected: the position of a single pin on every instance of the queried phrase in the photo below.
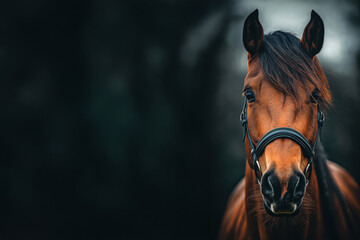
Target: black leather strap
(282, 132)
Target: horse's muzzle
(279, 201)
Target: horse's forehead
(256, 78)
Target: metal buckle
(306, 172)
(243, 120)
(258, 172)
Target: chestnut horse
(290, 189)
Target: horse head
(284, 91)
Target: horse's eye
(314, 97)
(250, 96)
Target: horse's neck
(306, 225)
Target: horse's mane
(287, 65)
(327, 187)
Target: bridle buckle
(243, 120)
(258, 172)
(307, 172)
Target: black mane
(328, 187)
(287, 66)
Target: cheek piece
(307, 148)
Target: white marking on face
(272, 207)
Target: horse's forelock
(287, 66)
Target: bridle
(281, 132)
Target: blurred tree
(106, 131)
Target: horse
(290, 189)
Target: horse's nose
(282, 197)
(270, 186)
(296, 186)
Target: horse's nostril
(277, 199)
(272, 190)
(268, 189)
(270, 185)
(297, 188)
(297, 183)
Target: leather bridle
(281, 132)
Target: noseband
(282, 132)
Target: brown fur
(245, 217)
(284, 105)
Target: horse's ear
(253, 33)
(313, 36)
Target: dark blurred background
(119, 119)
